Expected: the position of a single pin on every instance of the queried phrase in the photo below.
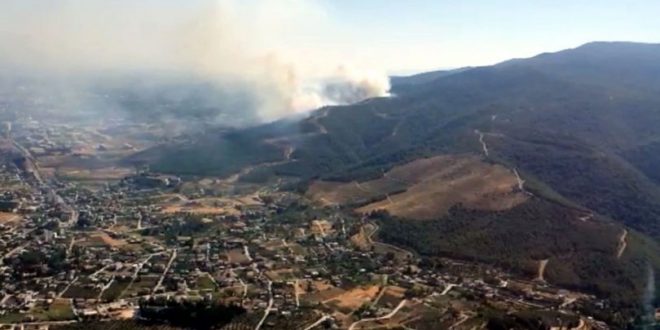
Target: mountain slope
(580, 126)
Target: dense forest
(161, 314)
(581, 255)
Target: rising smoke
(347, 87)
(227, 53)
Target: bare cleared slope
(427, 188)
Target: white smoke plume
(250, 45)
(351, 87)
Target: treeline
(211, 154)
(167, 314)
(201, 314)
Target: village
(89, 242)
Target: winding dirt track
(287, 151)
(623, 243)
(318, 322)
(484, 146)
(384, 317)
(542, 264)
(315, 120)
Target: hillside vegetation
(580, 126)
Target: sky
(404, 36)
(297, 55)
(418, 35)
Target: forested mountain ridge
(581, 126)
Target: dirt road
(287, 151)
(521, 182)
(269, 308)
(623, 243)
(296, 292)
(447, 289)
(371, 241)
(167, 268)
(363, 189)
(462, 319)
(542, 264)
(318, 322)
(481, 140)
(384, 317)
(315, 120)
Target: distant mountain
(581, 127)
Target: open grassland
(331, 193)
(436, 184)
(427, 188)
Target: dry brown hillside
(427, 188)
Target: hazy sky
(423, 34)
(297, 55)
(392, 36)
